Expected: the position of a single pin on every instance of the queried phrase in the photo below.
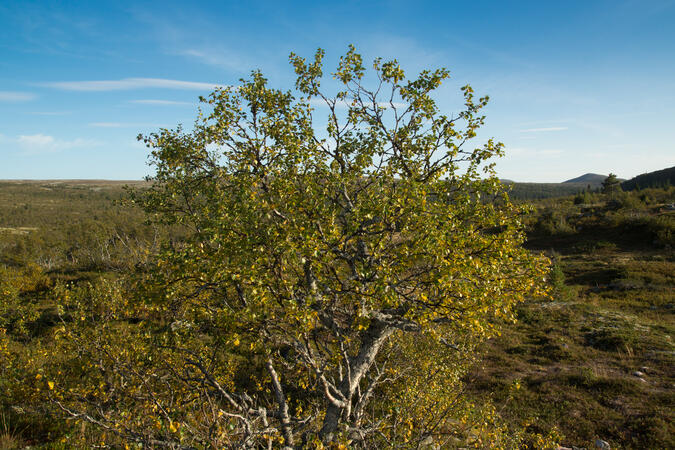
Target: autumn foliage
(325, 285)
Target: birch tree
(343, 251)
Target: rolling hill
(589, 178)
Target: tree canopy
(611, 184)
(332, 277)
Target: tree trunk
(359, 365)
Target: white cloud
(537, 130)
(14, 96)
(128, 84)
(397, 105)
(39, 140)
(159, 102)
(41, 143)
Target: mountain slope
(590, 178)
(658, 178)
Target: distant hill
(537, 191)
(659, 178)
(589, 178)
(76, 182)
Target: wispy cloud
(397, 105)
(14, 96)
(219, 58)
(545, 129)
(41, 143)
(128, 84)
(534, 123)
(122, 125)
(530, 152)
(159, 102)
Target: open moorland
(594, 362)
(598, 360)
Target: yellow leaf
(50, 384)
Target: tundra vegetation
(280, 287)
(574, 359)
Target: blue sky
(575, 86)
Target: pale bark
(283, 406)
(359, 365)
